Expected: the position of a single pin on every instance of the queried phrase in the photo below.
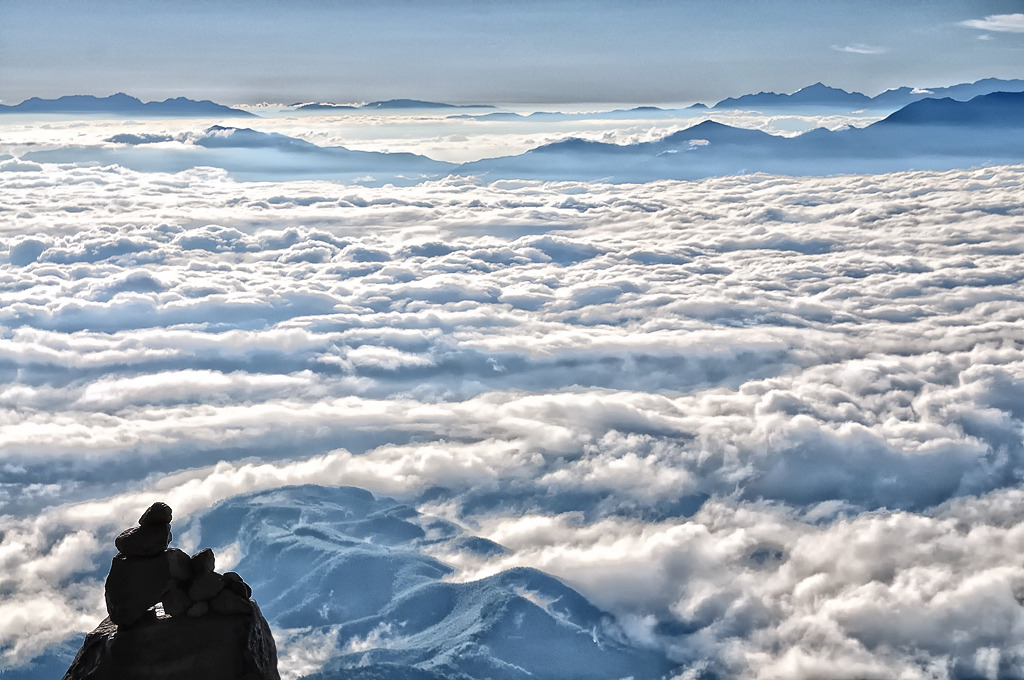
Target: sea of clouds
(773, 424)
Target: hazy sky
(498, 50)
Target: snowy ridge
(349, 568)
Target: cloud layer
(773, 424)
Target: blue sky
(495, 50)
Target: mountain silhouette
(121, 104)
(812, 95)
(926, 135)
(929, 134)
(822, 96)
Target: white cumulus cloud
(1006, 23)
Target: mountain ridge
(357, 569)
(123, 104)
(929, 134)
(822, 95)
(934, 134)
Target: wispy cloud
(860, 48)
(1007, 23)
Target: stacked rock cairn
(146, 572)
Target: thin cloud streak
(860, 48)
(1004, 23)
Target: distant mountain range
(817, 97)
(121, 104)
(390, 105)
(926, 135)
(931, 134)
(822, 96)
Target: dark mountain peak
(709, 125)
(573, 144)
(817, 94)
(821, 88)
(715, 131)
(902, 96)
(996, 109)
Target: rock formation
(173, 617)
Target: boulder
(201, 608)
(150, 539)
(205, 586)
(235, 584)
(135, 584)
(227, 602)
(158, 513)
(176, 602)
(180, 564)
(203, 561)
(215, 647)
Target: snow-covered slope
(351, 570)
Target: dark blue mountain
(343, 565)
(817, 95)
(822, 96)
(903, 96)
(998, 109)
(121, 104)
(930, 134)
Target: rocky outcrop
(173, 617)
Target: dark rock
(198, 609)
(158, 513)
(205, 586)
(203, 561)
(180, 564)
(235, 584)
(151, 539)
(214, 647)
(176, 602)
(227, 602)
(135, 584)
